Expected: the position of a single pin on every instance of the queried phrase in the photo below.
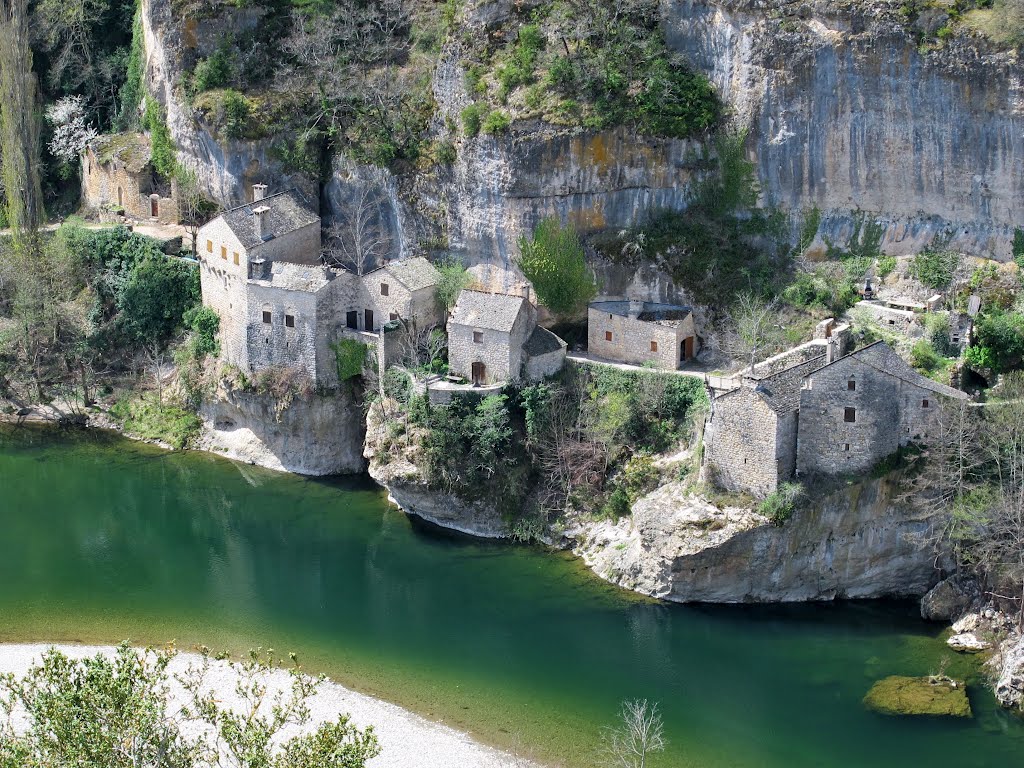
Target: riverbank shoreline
(407, 740)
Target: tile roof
(296, 277)
(542, 342)
(495, 311)
(288, 212)
(781, 390)
(415, 273)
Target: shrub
(496, 122)
(236, 114)
(779, 505)
(935, 269)
(349, 357)
(472, 117)
(161, 147)
(213, 72)
(553, 260)
(923, 356)
(980, 358)
(886, 265)
(446, 153)
(205, 323)
(1003, 334)
(149, 419)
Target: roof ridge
(265, 197)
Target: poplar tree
(19, 127)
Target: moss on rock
(935, 696)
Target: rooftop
(495, 311)
(542, 342)
(288, 212)
(645, 311)
(132, 150)
(415, 273)
(297, 277)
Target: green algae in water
(102, 540)
(928, 696)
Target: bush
(886, 265)
(205, 323)
(980, 358)
(923, 356)
(213, 72)
(150, 419)
(1002, 333)
(349, 357)
(472, 117)
(236, 114)
(935, 269)
(496, 122)
(553, 261)
(779, 505)
(162, 150)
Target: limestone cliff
(845, 111)
(858, 542)
(320, 435)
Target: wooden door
(368, 320)
(686, 349)
(479, 374)
(154, 208)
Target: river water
(103, 540)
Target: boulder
(968, 642)
(1010, 668)
(949, 599)
(935, 696)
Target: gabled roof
(288, 212)
(884, 358)
(495, 311)
(415, 273)
(781, 390)
(542, 342)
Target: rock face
(856, 543)
(846, 113)
(949, 599)
(322, 435)
(1009, 665)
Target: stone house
(118, 176)
(750, 439)
(494, 337)
(824, 415)
(280, 305)
(639, 332)
(863, 407)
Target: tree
(554, 262)
(639, 735)
(19, 127)
(71, 131)
(454, 278)
(116, 712)
(751, 329)
(360, 240)
(194, 207)
(153, 303)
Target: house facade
(826, 415)
(639, 332)
(118, 177)
(494, 338)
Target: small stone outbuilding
(640, 332)
(494, 338)
(118, 178)
(403, 290)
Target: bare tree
(193, 206)
(639, 735)
(751, 329)
(360, 240)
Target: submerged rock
(936, 696)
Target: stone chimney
(261, 221)
(259, 191)
(259, 269)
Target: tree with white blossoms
(71, 130)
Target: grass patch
(937, 696)
(148, 419)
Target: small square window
(289, 321)
(924, 403)
(209, 246)
(892, 322)
(478, 337)
(850, 414)
(654, 346)
(266, 317)
(236, 258)
(224, 252)
(607, 335)
(846, 447)
(851, 385)
(384, 289)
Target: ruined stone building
(118, 178)
(639, 332)
(824, 414)
(494, 337)
(261, 271)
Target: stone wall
(895, 320)
(500, 352)
(888, 412)
(275, 344)
(740, 443)
(539, 367)
(111, 184)
(632, 339)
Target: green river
(105, 540)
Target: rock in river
(935, 696)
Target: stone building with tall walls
(281, 305)
(825, 414)
(494, 338)
(118, 178)
(863, 407)
(641, 332)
